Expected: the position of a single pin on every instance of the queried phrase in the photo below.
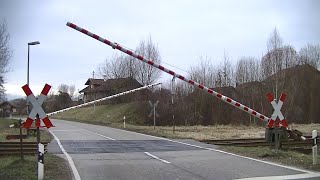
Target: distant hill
(302, 105)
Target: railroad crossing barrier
(151, 63)
(103, 99)
(278, 134)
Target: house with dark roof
(7, 109)
(99, 88)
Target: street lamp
(30, 44)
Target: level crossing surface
(100, 152)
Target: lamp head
(34, 43)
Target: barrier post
(124, 122)
(40, 161)
(315, 146)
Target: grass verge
(284, 157)
(5, 130)
(12, 167)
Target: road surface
(99, 152)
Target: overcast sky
(184, 31)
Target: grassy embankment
(12, 167)
(112, 115)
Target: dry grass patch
(199, 132)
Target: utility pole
(94, 104)
(172, 97)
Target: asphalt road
(99, 152)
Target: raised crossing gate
(103, 99)
(276, 106)
(151, 63)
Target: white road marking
(65, 130)
(224, 152)
(69, 158)
(155, 157)
(296, 176)
(101, 135)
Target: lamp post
(38, 131)
(31, 44)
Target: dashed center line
(101, 135)
(155, 157)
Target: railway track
(12, 148)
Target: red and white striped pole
(150, 62)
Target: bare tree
(290, 57)
(204, 72)
(72, 89)
(227, 71)
(147, 74)
(121, 66)
(272, 62)
(5, 54)
(310, 54)
(114, 67)
(247, 70)
(63, 88)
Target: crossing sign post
(37, 113)
(153, 111)
(37, 110)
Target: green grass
(12, 167)
(103, 114)
(285, 157)
(5, 130)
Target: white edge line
(101, 135)
(64, 130)
(295, 176)
(224, 152)
(155, 157)
(69, 158)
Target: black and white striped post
(40, 161)
(315, 146)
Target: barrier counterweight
(151, 63)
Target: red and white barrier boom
(150, 62)
(36, 107)
(103, 99)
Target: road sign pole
(21, 147)
(172, 97)
(154, 117)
